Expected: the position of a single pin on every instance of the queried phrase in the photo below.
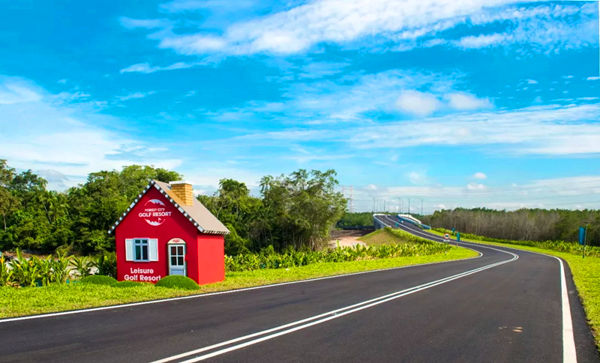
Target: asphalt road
(504, 306)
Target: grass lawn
(385, 236)
(586, 275)
(27, 301)
(380, 237)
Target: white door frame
(177, 269)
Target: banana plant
(60, 268)
(5, 273)
(45, 268)
(26, 271)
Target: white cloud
(147, 68)
(476, 187)
(15, 90)
(194, 44)
(135, 95)
(40, 133)
(334, 21)
(545, 130)
(131, 23)
(465, 101)
(361, 23)
(551, 130)
(483, 40)
(418, 103)
(568, 192)
(417, 178)
(595, 78)
(532, 81)
(546, 28)
(479, 175)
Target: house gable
(196, 214)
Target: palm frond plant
(82, 265)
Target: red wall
(211, 256)
(204, 253)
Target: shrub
(130, 283)
(99, 280)
(107, 264)
(178, 282)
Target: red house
(166, 231)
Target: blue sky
(455, 103)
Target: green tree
(236, 209)
(98, 203)
(301, 209)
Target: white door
(177, 259)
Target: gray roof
(196, 213)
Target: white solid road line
(321, 318)
(79, 311)
(569, 351)
(568, 337)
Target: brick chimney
(184, 191)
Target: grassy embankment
(26, 301)
(586, 271)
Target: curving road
(504, 306)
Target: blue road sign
(582, 235)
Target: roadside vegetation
(383, 243)
(585, 270)
(391, 236)
(61, 297)
(356, 220)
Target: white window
(141, 249)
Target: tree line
(522, 224)
(294, 211)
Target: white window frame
(151, 245)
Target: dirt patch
(346, 238)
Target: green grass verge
(27, 301)
(380, 237)
(586, 275)
(386, 236)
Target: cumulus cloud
(418, 103)
(479, 175)
(476, 187)
(465, 101)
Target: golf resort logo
(155, 212)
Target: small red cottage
(166, 231)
